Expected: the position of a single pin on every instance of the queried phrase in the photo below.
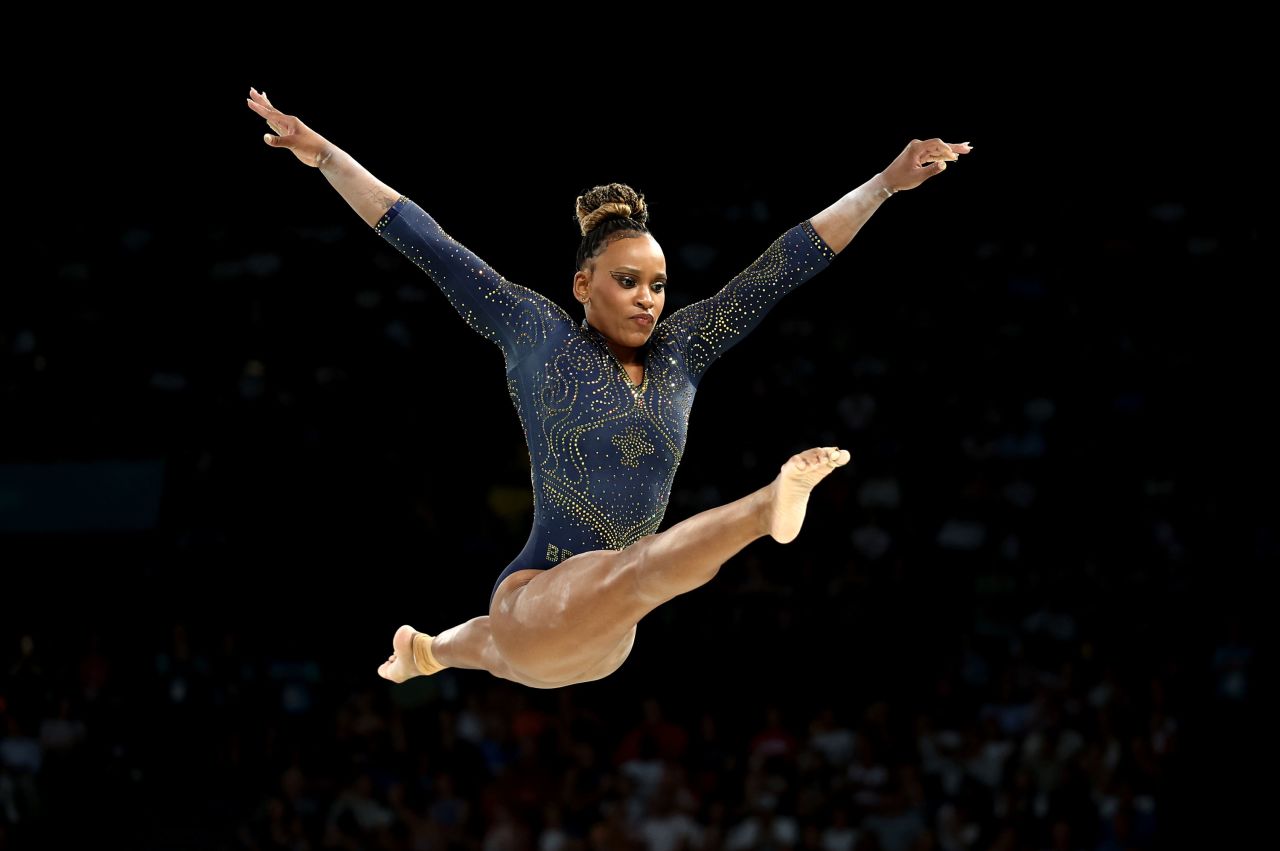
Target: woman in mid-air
(604, 404)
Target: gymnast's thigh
(569, 618)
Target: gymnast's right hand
(306, 144)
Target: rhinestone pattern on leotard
(603, 452)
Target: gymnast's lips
(643, 318)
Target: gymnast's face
(625, 289)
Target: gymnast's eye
(627, 281)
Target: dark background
(244, 439)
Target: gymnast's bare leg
(576, 622)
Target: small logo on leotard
(632, 443)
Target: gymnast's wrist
(330, 158)
(881, 187)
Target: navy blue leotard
(603, 451)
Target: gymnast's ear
(582, 285)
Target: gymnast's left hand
(921, 160)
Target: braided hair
(607, 212)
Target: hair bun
(607, 201)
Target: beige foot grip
(422, 658)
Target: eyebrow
(636, 271)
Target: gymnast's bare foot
(400, 665)
(791, 489)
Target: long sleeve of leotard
(514, 317)
(707, 328)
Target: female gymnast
(604, 405)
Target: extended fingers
(259, 98)
(264, 111)
(275, 128)
(938, 151)
(932, 153)
(269, 113)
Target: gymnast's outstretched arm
(514, 317)
(918, 162)
(706, 329)
(366, 194)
